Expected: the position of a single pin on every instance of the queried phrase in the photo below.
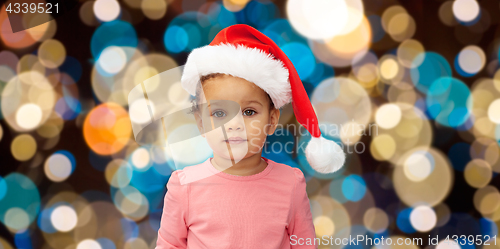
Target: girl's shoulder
(282, 169)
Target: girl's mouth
(235, 140)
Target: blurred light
(106, 10)
(321, 19)
(235, 5)
(260, 13)
(432, 67)
(408, 52)
(376, 26)
(418, 166)
(401, 27)
(59, 166)
(412, 130)
(1, 132)
(388, 116)
(3, 188)
(131, 202)
(23, 147)
(376, 220)
(383, 147)
(6, 73)
(478, 173)
(494, 111)
(114, 33)
(107, 128)
(112, 59)
(449, 101)
(403, 221)
(350, 133)
(181, 152)
(137, 113)
(488, 227)
(118, 173)
(341, 50)
(324, 226)
(88, 244)
(423, 218)
(443, 213)
(86, 14)
(16, 218)
(5, 244)
(64, 218)
(389, 14)
(176, 39)
(367, 75)
(354, 188)
(438, 182)
(20, 39)
(355, 10)
(487, 200)
(106, 243)
(488, 150)
(188, 31)
(52, 127)
(389, 68)
(223, 17)
(137, 242)
(8, 59)
(140, 158)
(339, 102)
(445, 244)
(29, 116)
(115, 87)
(68, 105)
(302, 58)
(51, 53)
(154, 9)
(40, 32)
(470, 61)
(28, 87)
(465, 10)
(484, 95)
(21, 203)
(446, 14)
(44, 222)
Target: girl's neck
(245, 167)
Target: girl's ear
(199, 122)
(274, 119)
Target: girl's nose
(236, 124)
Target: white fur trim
(324, 156)
(250, 64)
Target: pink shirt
(227, 211)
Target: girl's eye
(249, 112)
(218, 114)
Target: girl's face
(236, 117)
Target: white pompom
(325, 156)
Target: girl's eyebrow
(252, 101)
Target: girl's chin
(236, 156)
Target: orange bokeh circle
(107, 128)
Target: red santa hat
(242, 51)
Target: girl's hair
(195, 100)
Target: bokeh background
(413, 85)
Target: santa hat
(242, 51)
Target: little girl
(248, 201)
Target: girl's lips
(235, 140)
